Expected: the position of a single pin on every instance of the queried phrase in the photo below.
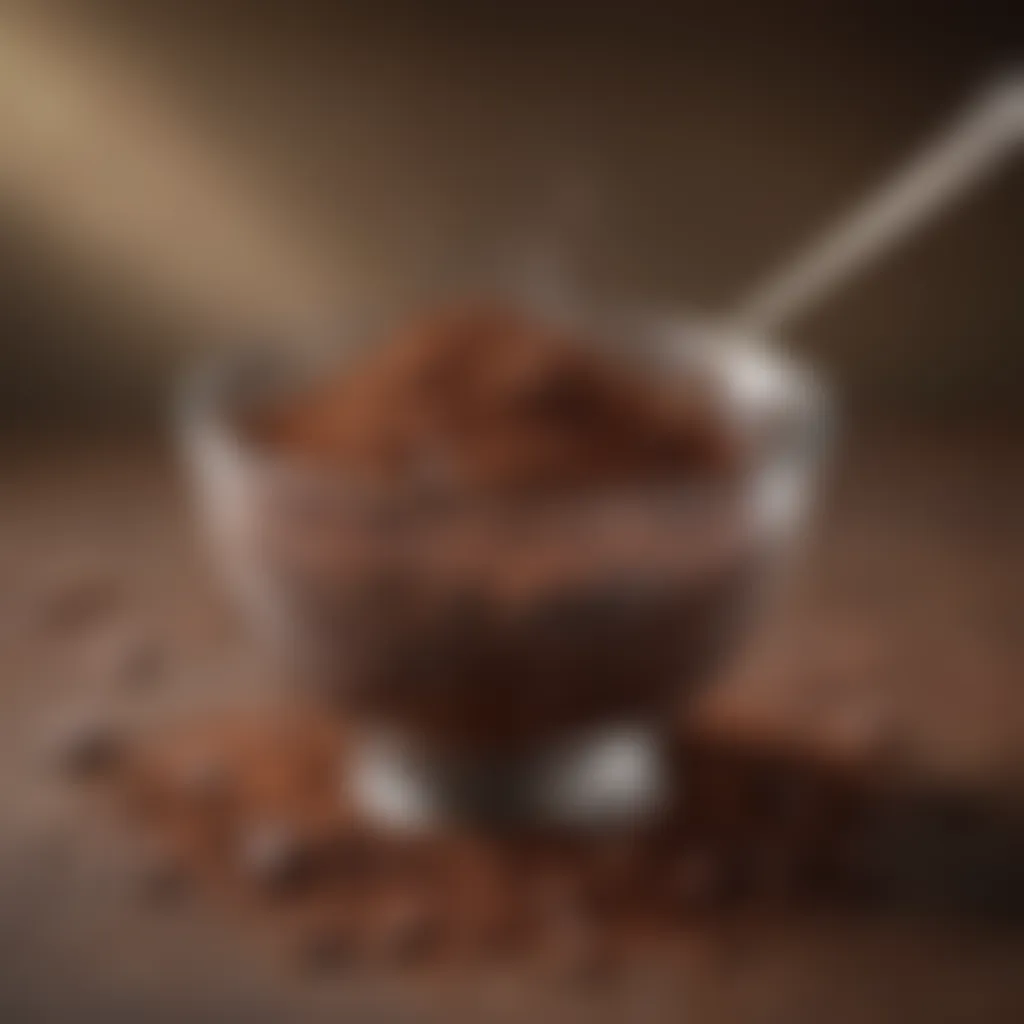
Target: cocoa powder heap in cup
(486, 399)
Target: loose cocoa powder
(566, 900)
(485, 399)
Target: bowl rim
(754, 379)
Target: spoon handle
(975, 143)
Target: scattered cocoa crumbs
(346, 891)
(408, 930)
(86, 743)
(273, 854)
(207, 781)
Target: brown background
(672, 155)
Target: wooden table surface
(909, 595)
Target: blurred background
(178, 178)
(177, 175)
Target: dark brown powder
(487, 399)
(459, 897)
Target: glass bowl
(515, 660)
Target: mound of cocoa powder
(487, 399)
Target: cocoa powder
(459, 897)
(485, 399)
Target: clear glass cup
(470, 701)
